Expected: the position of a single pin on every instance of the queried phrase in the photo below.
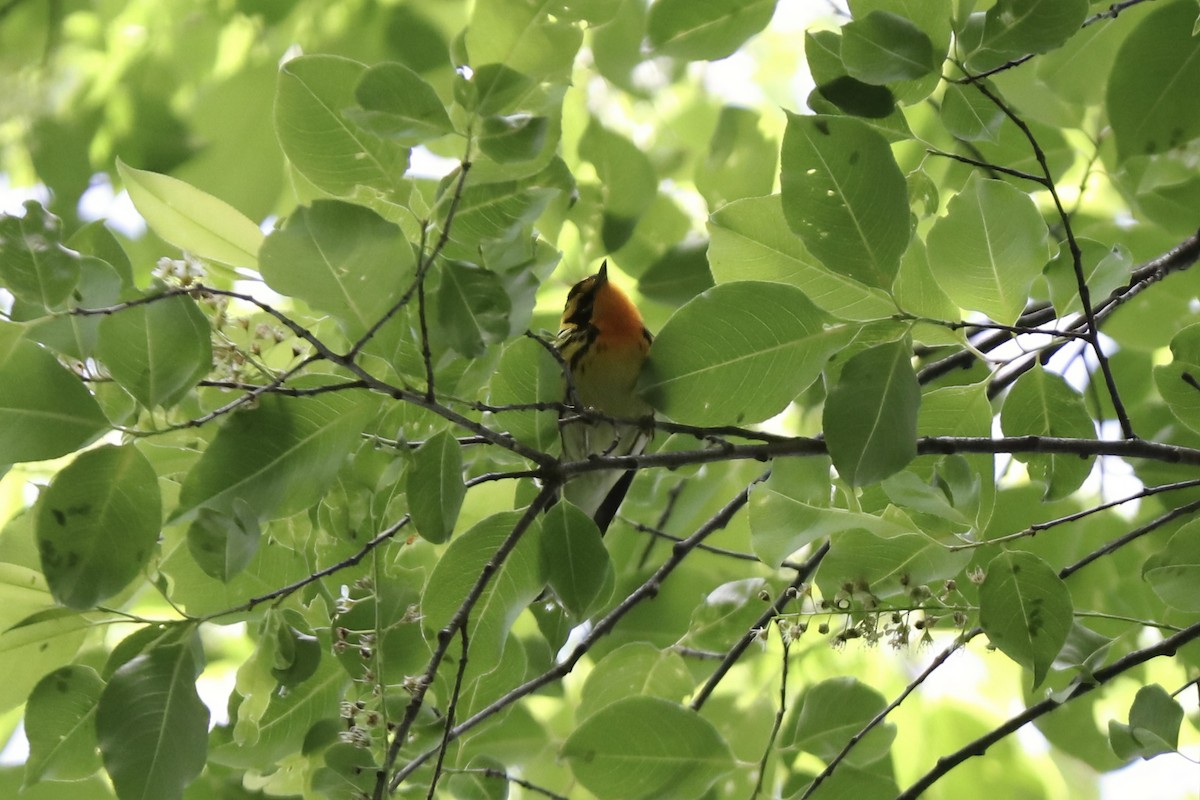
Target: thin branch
(1085, 297)
(1039, 527)
(446, 635)
(1167, 647)
(926, 445)
(1016, 173)
(426, 261)
(663, 518)
(878, 719)
(450, 711)
(774, 610)
(498, 774)
(779, 713)
(1110, 13)
(1137, 533)
(657, 533)
(426, 353)
(291, 588)
(647, 590)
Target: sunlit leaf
(277, 456)
(157, 351)
(191, 219)
(45, 411)
(988, 248)
(435, 487)
(340, 258)
(845, 197)
(61, 726)
(1041, 403)
(883, 48)
(34, 264)
(739, 353)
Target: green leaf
(60, 725)
(261, 741)
(628, 179)
(634, 669)
(157, 351)
(739, 353)
(97, 524)
(1025, 610)
(35, 646)
(780, 524)
(678, 275)
(528, 374)
(511, 589)
(845, 197)
(968, 114)
(94, 239)
(1013, 28)
(884, 48)
(517, 137)
(1153, 729)
(1150, 99)
(332, 151)
(832, 712)
(34, 264)
(340, 258)
(934, 19)
(1174, 571)
(494, 212)
(524, 37)
(574, 560)
(1105, 268)
(349, 772)
(987, 250)
(706, 31)
(397, 104)
(151, 724)
(73, 335)
(473, 307)
(643, 747)
(278, 457)
(45, 411)
(886, 566)
(741, 159)
(750, 240)
(435, 488)
(223, 543)
(1179, 381)
(1041, 403)
(870, 416)
(191, 219)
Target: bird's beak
(602, 275)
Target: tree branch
(878, 719)
(446, 635)
(648, 589)
(774, 610)
(978, 747)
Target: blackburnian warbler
(604, 344)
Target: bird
(604, 345)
